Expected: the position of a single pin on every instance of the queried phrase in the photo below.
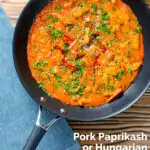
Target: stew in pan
(85, 52)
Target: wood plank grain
(134, 120)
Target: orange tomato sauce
(85, 52)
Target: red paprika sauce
(85, 52)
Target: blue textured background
(18, 111)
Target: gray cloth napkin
(18, 111)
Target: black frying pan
(135, 91)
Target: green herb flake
(137, 30)
(66, 47)
(52, 71)
(95, 13)
(111, 87)
(70, 59)
(128, 53)
(41, 86)
(39, 64)
(111, 44)
(102, 85)
(94, 6)
(76, 82)
(36, 65)
(70, 27)
(130, 70)
(116, 61)
(66, 44)
(58, 8)
(67, 86)
(76, 63)
(87, 24)
(77, 73)
(113, 8)
(90, 32)
(57, 84)
(55, 34)
(105, 28)
(120, 74)
(44, 63)
(53, 19)
(105, 16)
(80, 92)
(58, 78)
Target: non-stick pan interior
(77, 113)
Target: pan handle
(38, 132)
(35, 138)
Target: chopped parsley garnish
(44, 63)
(137, 30)
(58, 84)
(105, 28)
(77, 63)
(73, 88)
(94, 6)
(95, 13)
(67, 86)
(90, 32)
(39, 64)
(80, 5)
(66, 47)
(77, 73)
(53, 19)
(105, 16)
(70, 59)
(58, 78)
(76, 82)
(111, 87)
(70, 27)
(58, 8)
(87, 24)
(52, 71)
(129, 70)
(41, 86)
(111, 43)
(128, 53)
(55, 34)
(102, 86)
(80, 92)
(120, 74)
(66, 44)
